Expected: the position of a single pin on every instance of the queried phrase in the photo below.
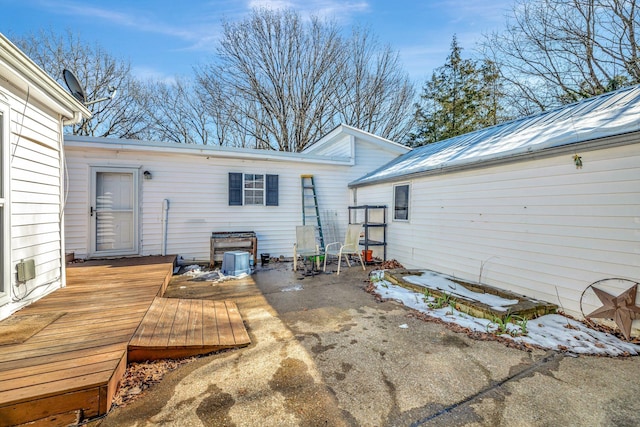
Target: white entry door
(114, 211)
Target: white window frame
(5, 206)
(395, 187)
(248, 189)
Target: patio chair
(306, 245)
(349, 247)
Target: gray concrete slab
(324, 352)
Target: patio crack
(553, 358)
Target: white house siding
(33, 109)
(35, 199)
(541, 228)
(197, 190)
(341, 148)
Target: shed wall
(541, 227)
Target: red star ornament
(622, 309)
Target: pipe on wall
(165, 225)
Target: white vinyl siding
(341, 148)
(540, 228)
(33, 108)
(36, 196)
(197, 189)
(33, 207)
(5, 236)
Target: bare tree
(176, 113)
(97, 71)
(281, 82)
(557, 51)
(375, 93)
(224, 107)
(279, 72)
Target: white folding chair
(350, 246)
(306, 245)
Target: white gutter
(72, 141)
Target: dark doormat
(17, 329)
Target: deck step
(175, 327)
(85, 384)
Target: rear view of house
(33, 110)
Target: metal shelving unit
(374, 222)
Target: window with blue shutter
(235, 189)
(272, 190)
(253, 189)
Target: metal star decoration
(622, 309)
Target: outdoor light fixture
(147, 175)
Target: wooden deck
(71, 369)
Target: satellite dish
(74, 86)
(78, 92)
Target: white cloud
(479, 13)
(152, 74)
(340, 10)
(200, 36)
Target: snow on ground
(441, 282)
(551, 331)
(198, 272)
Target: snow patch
(551, 331)
(442, 282)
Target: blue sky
(165, 38)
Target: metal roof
(613, 113)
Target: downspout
(64, 185)
(77, 118)
(63, 202)
(165, 225)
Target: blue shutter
(235, 189)
(272, 190)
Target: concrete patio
(324, 352)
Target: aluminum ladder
(310, 211)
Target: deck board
(196, 328)
(178, 335)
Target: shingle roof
(610, 114)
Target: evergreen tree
(462, 96)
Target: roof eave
(72, 141)
(594, 144)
